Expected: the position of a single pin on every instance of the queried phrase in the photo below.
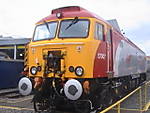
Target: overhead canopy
(114, 23)
(12, 41)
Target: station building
(12, 48)
(148, 63)
(11, 60)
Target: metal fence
(137, 101)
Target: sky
(18, 17)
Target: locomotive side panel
(100, 62)
(128, 59)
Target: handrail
(142, 95)
(118, 102)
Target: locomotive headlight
(59, 15)
(71, 69)
(79, 71)
(33, 70)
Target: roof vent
(66, 9)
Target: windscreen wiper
(74, 21)
(47, 26)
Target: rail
(143, 94)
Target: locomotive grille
(54, 61)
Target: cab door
(109, 52)
(100, 62)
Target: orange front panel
(78, 52)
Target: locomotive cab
(70, 40)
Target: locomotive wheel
(108, 99)
(82, 108)
(36, 107)
(42, 106)
(104, 99)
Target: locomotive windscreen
(43, 33)
(74, 28)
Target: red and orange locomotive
(79, 62)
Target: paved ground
(14, 103)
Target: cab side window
(99, 32)
(108, 35)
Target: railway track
(10, 93)
(13, 96)
(12, 102)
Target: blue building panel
(10, 73)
